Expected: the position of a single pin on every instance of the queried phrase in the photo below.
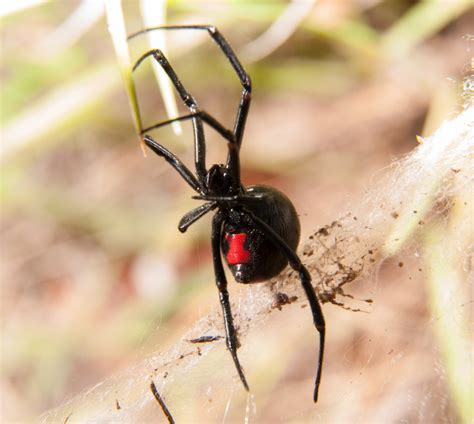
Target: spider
(256, 227)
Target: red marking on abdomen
(237, 253)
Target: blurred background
(94, 273)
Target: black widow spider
(256, 227)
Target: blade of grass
(116, 25)
(153, 15)
(449, 304)
(76, 25)
(420, 22)
(279, 31)
(57, 110)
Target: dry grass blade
(279, 32)
(421, 21)
(57, 110)
(116, 25)
(153, 15)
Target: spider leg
(188, 100)
(193, 215)
(233, 159)
(229, 53)
(221, 281)
(174, 162)
(305, 278)
(161, 402)
(208, 119)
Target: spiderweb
(420, 205)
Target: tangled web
(415, 192)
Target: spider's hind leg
(305, 277)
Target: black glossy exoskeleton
(249, 253)
(256, 228)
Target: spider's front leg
(189, 101)
(305, 277)
(175, 162)
(229, 53)
(221, 281)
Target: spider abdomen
(250, 255)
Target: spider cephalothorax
(256, 228)
(219, 182)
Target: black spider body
(255, 228)
(250, 255)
